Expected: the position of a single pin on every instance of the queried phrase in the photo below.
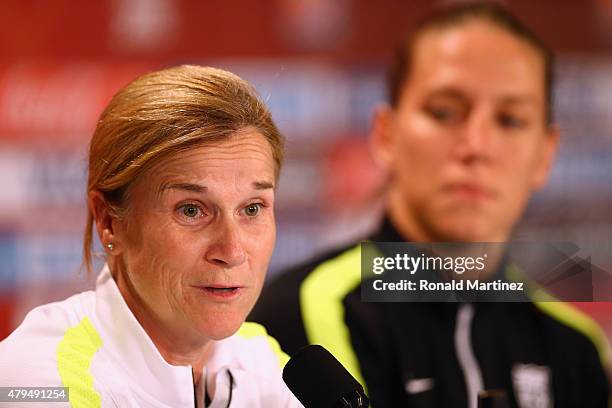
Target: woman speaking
(183, 167)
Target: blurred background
(319, 64)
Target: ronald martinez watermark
(478, 272)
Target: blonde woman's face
(199, 236)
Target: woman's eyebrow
(450, 93)
(263, 185)
(200, 189)
(522, 99)
(195, 188)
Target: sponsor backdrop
(320, 65)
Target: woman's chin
(221, 327)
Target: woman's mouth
(471, 192)
(221, 292)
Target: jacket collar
(130, 347)
(387, 232)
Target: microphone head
(318, 380)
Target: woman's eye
(190, 210)
(511, 122)
(252, 209)
(440, 114)
(444, 113)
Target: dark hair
(455, 15)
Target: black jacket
(406, 353)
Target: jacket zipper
(465, 353)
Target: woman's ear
(380, 136)
(546, 158)
(104, 221)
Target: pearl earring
(110, 246)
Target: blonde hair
(162, 113)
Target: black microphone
(318, 380)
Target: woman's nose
(226, 248)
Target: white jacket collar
(132, 349)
